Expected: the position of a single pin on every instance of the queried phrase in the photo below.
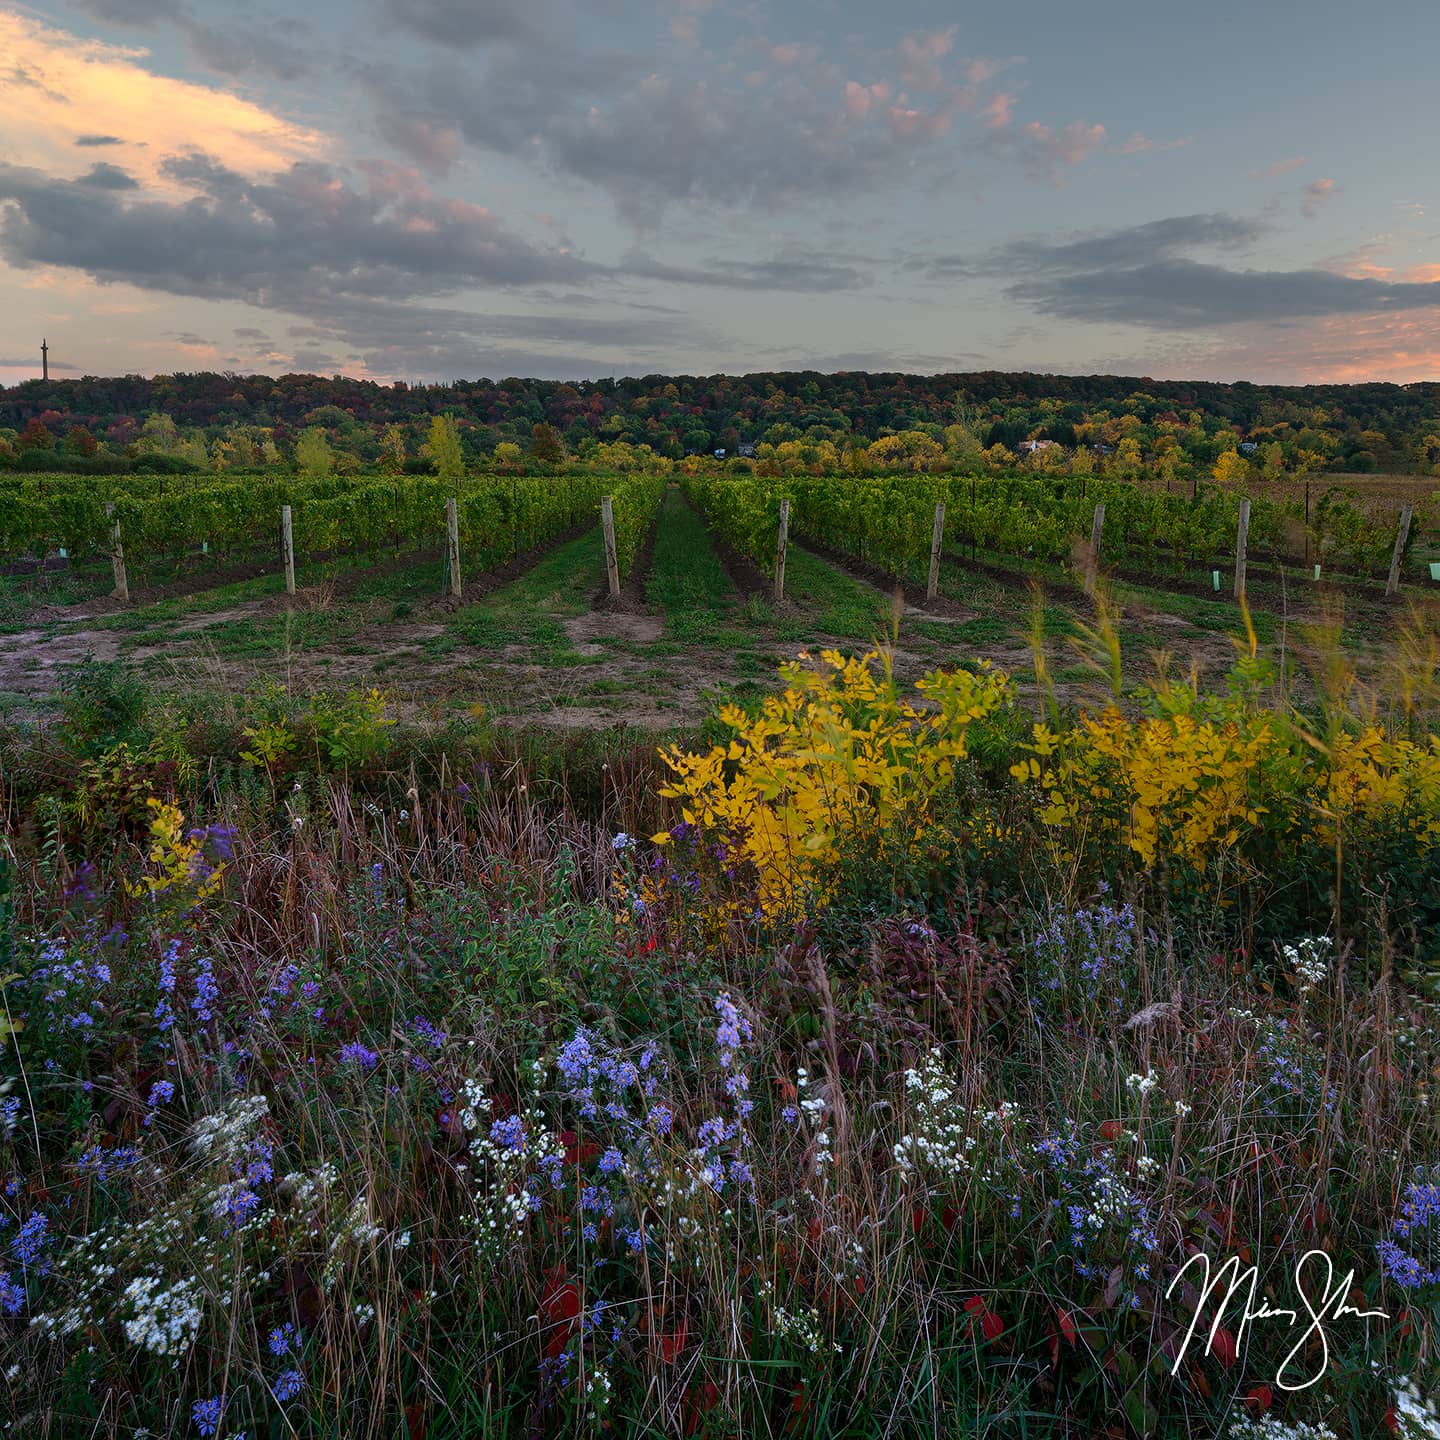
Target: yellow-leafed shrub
(837, 759)
(1175, 786)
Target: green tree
(392, 450)
(79, 441)
(445, 452)
(159, 435)
(313, 453)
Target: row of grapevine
(635, 500)
(886, 520)
(234, 519)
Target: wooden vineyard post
(1092, 565)
(1392, 584)
(937, 539)
(612, 565)
(452, 537)
(117, 556)
(287, 543)
(1242, 538)
(782, 541)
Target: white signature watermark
(1325, 1302)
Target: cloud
(1317, 192)
(467, 23)
(792, 270)
(273, 46)
(431, 144)
(296, 239)
(1280, 167)
(650, 140)
(1095, 250)
(143, 112)
(108, 177)
(1042, 152)
(1140, 144)
(1145, 275)
(1347, 350)
(920, 56)
(998, 111)
(33, 362)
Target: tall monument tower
(45, 359)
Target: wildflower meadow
(885, 1060)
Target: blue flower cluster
(723, 1138)
(1094, 944)
(1418, 1207)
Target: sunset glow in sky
(430, 189)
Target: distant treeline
(228, 421)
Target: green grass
(835, 603)
(530, 611)
(687, 580)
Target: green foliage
(313, 454)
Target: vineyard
(174, 522)
(887, 521)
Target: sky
(443, 189)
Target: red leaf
(559, 1299)
(1222, 1347)
(1112, 1130)
(992, 1326)
(1391, 1420)
(672, 1343)
(975, 1305)
(1259, 1399)
(1067, 1326)
(917, 1219)
(948, 1217)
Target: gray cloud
(292, 240)
(108, 177)
(134, 12)
(650, 139)
(432, 145)
(87, 142)
(34, 360)
(465, 22)
(444, 342)
(1188, 294)
(282, 48)
(792, 269)
(1095, 249)
(272, 45)
(1142, 276)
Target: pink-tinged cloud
(982, 71)
(920, 54)
(1317, 192)
(685, 26)
(1280, 167)
(1423, 274)
(1076, 142)
(861, 99)
(998, 110)
(58, 85)
(909, 123)
(788, 54)
(1343, 350)
(1140, 144)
